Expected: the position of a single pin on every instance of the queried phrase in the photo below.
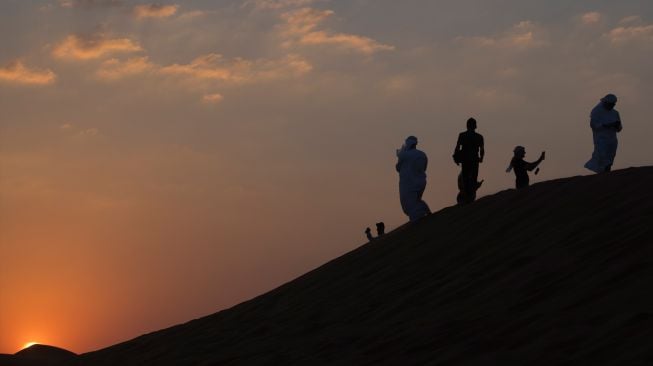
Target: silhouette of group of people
(469, 153)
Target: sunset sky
(164, 161)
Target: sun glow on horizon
(29, 344)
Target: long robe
(412, 183)
(605, 138)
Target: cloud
(192, 14)
(277, 4)
(592, 17)
(114, 69)
(303, 21)
(239, 71)
(89, 132)
(524, 34)
(399, 84)
(16, 72)
(300, 28)
(77, 47)
(209, 68)
(155, 11)
(631, 19)
(214, 98)
(621, 35)
(350, 41)
(89, 3)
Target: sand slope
(39, 355)
(559, 274)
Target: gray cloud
(90, 3)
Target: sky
(163, 161)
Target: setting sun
(29, 344)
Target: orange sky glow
(163, 161)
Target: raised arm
(533, 165)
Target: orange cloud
(212, 98)
(350, 41)
(17, 72)
(278, 4)
(96, 46)
(300, 28)
(633, 33)
(216, 67)
(302, 21)
(592, 17)
(524, 34)
(155, 11)
(115, 69)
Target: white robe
(411, 166)
(605, 138)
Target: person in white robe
(411, 166)
(606, 123)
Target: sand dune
(40, 355)
(558, 274)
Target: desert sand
(556, 274)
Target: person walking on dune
(606, 123)
(469, 153)
(522, 167)
(411, 165)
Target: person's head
(519, 152)
(411, 142)
(609, 101)
(471, 124)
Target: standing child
(522, 167)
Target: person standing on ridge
(411, 165)
(469, 152)
(522, 167)
(606, 123)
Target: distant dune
(40, 355)
(557, 274)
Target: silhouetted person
(368, 233)
(522, 167)
(469, 153)
(606, 123)
(380, 228)
(411, 166)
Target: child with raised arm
(522, 167)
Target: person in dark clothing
(380, 228)
(469, 153)
(368, 233)
(522, 167)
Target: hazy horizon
(163, 162)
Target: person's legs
(407, 200)
(611, 153)
(473, 181)
(594, 164)
(470, 179)
(413, 205)
(421, 209)
(607, 150)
